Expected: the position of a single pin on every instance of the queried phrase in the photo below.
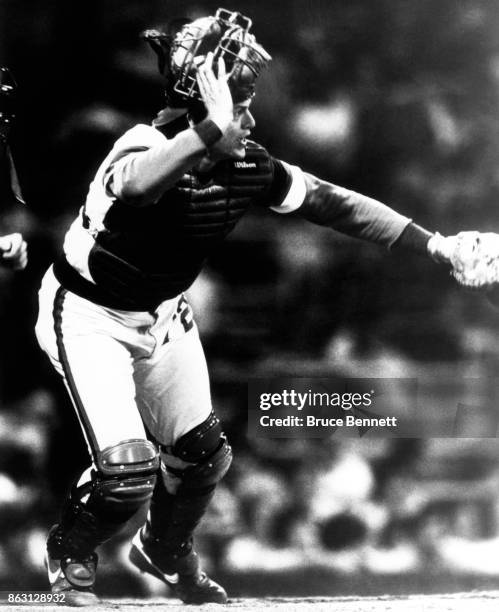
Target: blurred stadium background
(394, 98)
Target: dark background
(394, 98)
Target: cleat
(74, 578)
(189, 583)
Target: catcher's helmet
(227, 36)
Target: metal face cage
(227, 36)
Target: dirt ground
(460, 602)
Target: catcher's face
(233, 142)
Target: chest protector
(152, 253)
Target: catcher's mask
(227, 36)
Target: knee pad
(126, 476)
(206, 446)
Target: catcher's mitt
(474, 257)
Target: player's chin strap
(8, 88)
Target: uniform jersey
(132, 257)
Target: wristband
(209, 132)
(414, 238)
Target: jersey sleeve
(327, 204)
(287, 191)
(351, 213)
(120, 162)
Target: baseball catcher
(115, 323)
(13, 249)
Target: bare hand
(215, 92)
(13, 251)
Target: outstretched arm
(473, 257)
(351, 213)
(342, 209)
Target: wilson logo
(243, 164)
